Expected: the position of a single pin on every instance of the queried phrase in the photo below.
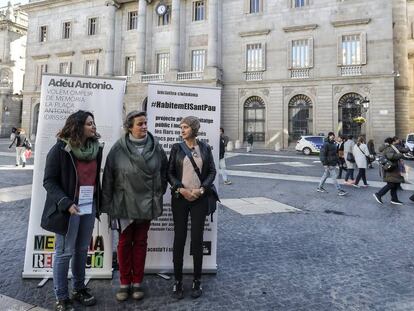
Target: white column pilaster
(142, 33)
(110, 39)
(175, 37)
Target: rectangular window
(66, 31)
(301, 53)
(43, 34)
(198, 60)
(299, 3)
(130, 66)
(254, 6)
(163, 63)
(65, 68)
(351, 50)
(92, 26)
(40, 70)
(165, 19)
(91, 68)
(133, 20)
(254, 57)
(199, 10)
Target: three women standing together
(134, 182)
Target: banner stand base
(43, 282)
(164, 276)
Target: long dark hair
(73, 128)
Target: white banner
(167, 105)
(62, 95)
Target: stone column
(142, 33)
(110, 38)
(402, 122)
(212, 34)
(175, 37)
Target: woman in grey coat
(350, 166)
(134, 182)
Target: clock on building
(161, 9)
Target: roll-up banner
(62, 95)
(167, 104)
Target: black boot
(196, 290)
(178, 291)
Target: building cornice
(262, 32)
(40, 5)
(63, 54)
(351, 22)
(300, 28)
(43, 56)
(91, 51)
(4, 24)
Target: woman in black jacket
(72, 169)
(189, 197)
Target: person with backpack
(329, 158)
(391, 170)
(22, 143)
(191, 174)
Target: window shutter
(363, 48)
(97, 67)
(289, 54)
(339, 51)
(310, 42)
(263, 56)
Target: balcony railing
(300, 73)
(154, 77)
(348, 71)
(190, 75)
(6, 84)
(254, 76)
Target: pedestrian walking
(361, 154)
(329, 158)
(341, 159)
(250, 140)
(393, 176)
(22, 143)
(191, 174)
(349, 160)
(371, 149)
(72, 169)
(134, 182)
(222, 163)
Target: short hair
(389, 140)
(331, 133)
(129, 120)
(222, 129)
(192, 122)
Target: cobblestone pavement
(339, 253)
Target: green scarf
(88, 152)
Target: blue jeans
(72, 246)
(330, 171)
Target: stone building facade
(13, 28)
(286, 68)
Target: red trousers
(132, 250)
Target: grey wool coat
(134, 184)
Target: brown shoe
(122, 294)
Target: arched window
(300, 117)
(348, 110)
(254, 118)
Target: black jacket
(175, 167)
(61, 181)
(328, 154)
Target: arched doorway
(300, 117)
(35, 119)
(348, 110)
(254, 118)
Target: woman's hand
(73, 210)
(188, 194)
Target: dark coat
(328, 154)
(393, 175)
(134, 184)
(61, 181)
(175, 167)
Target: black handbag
(211, 192)
(350, 157)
